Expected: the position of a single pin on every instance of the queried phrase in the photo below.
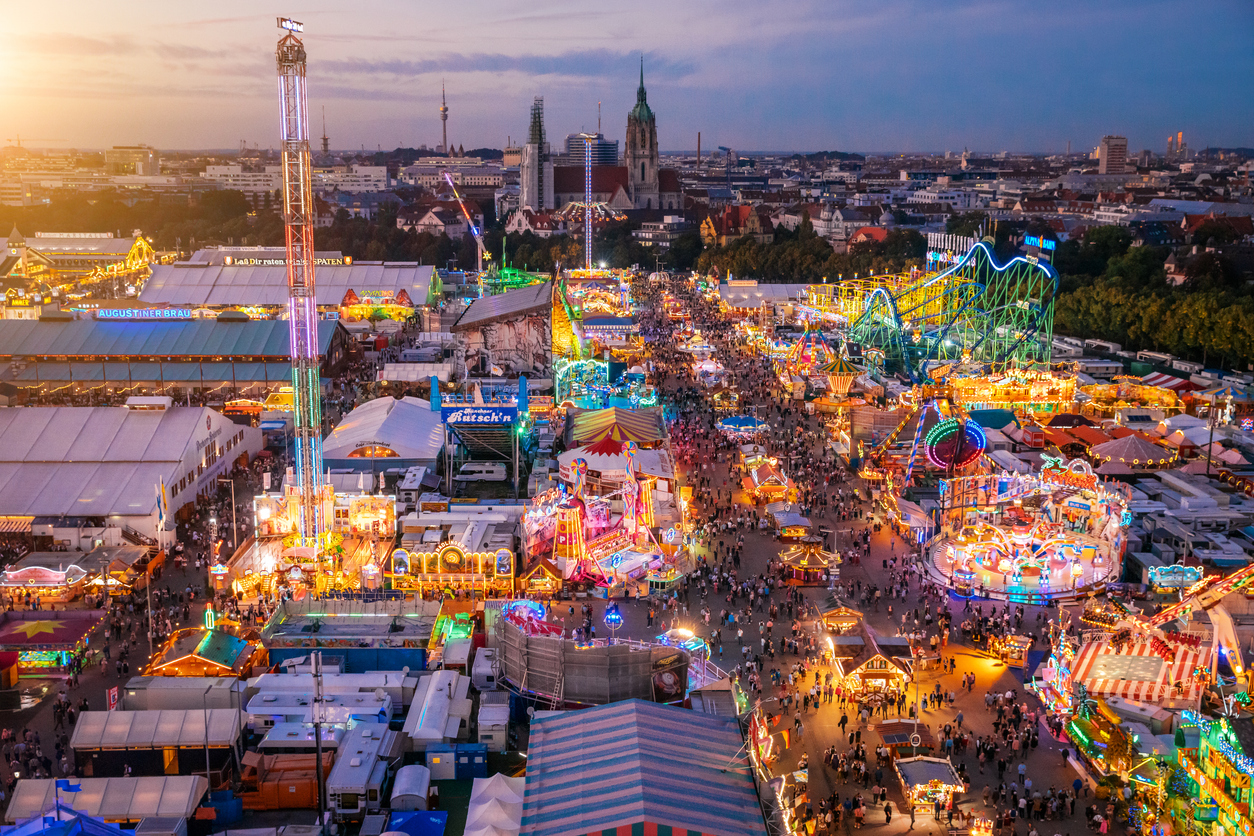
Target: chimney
(698, 148)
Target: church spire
(640, 94)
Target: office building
(1113, 155)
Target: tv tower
(444, 120)
(326, 140)
(302, 313)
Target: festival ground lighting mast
(301, 310)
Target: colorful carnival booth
(878, 674)
(766, 482)
(51, 584)
(47, 642)
(926, 781)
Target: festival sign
(460, 414)
(1077, 473)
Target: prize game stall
(47, 642)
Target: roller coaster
(976, 310)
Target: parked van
(481, 472)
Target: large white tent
(406, 427)
(111, 799)
(156, 729)
(107, 461)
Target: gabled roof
(668, 180)
(638, 764)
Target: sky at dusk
(889, 75)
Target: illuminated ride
(684, 638)
(302, 311)
(1029, 537)
(978, 310)
(482, 251)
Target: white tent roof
(407, 426)
(493, 812)
(499, 786)
(155, 729)
(94, 461)
(190, 285)
(1182, 421)
(112, 799)
(655, 462)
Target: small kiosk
(1013, 650)
(808, 564)
(928, 780)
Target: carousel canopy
(1132, 450)
(1222, 393)
(643, 426)
(742, 424)
(808, 554)
(840, 366)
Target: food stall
(1013, 650)
(842, 620)
(543, 580)
(449, 568)
(877, 674)
(57, 584)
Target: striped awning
(15, 525)
(1166, 381)
(1138, 673)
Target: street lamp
(613, 619)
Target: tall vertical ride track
(301, 309)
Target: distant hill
(825, 156)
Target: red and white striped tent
(1138, 673)
(1166, 381)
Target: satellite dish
(378, 693)
(405, 670)
(531, 711)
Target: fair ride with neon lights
(978, 310)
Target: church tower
(640, 153)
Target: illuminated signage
(143, 313)
(1175, 577)
(1039, 242)
(230, 261)
(290, 25)
(1076, 474)
(479, 414)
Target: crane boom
(470, 223)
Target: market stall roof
(633, 762)
(114, 799)
(921, 771)
(407, 426)
(643, 426)
(533, 299)
(195, 285)
(1137, 672)
(899, 732)
(214, 652)
(42, 629)
(156, 729)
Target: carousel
(929, 780)
(808, 564)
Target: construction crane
(474, 230)
(302, 310)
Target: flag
(163, 505)
(65, 786)
(787, 735)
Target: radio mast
(301, 308)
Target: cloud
(597, 63)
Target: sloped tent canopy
(210, 652)
(607, 458)
(155, 729)
(841, 375)
(67, 822)
(666, 766)
(407, 427)
(1133, 451)
(112, 799)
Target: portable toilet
(441, 761)
(472, 761)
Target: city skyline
(902, 78)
